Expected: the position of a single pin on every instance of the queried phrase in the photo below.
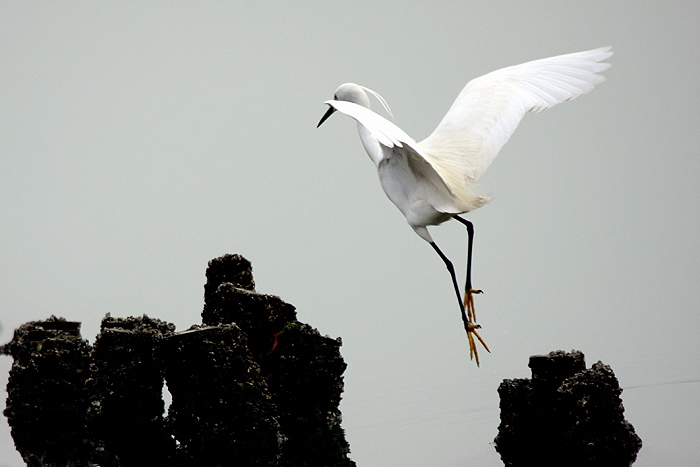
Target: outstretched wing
(489, 109)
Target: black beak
(330, 111)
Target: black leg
(451, 270)
(469, 326)
(470, 241)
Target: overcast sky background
(138, 140)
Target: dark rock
(259, 316)
(221, 411)
(303, 372)
(565, 415)
(47, 397)
(549, 371)
(234, 269)
(252, 386)
(127, 404)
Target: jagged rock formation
(222, 411)
(250, 386)
(47, 393)
(126, 413)
(565, 415)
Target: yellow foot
(471, 332)
(469, 303)
(471, 326)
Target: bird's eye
(335, 97)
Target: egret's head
(356, 94)
(352, 92)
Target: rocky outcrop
(251, 385)
(565, 415)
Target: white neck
(372, 146)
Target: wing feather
(489, 109)
(395, 142)
(384, 131)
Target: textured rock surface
(565, 415)
(251, 386)
(221, 411)
(303, 373)
(48, 394)
(127, 405)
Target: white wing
(489, 109)
(384, 131)
(393, 142)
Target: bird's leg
(469, 325)
(469, 292)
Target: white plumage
(430, 181)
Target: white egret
(431, 181)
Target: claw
(471, 326)
(472, 348)
(481, 340)
(469, 303)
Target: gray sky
(138, 140)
